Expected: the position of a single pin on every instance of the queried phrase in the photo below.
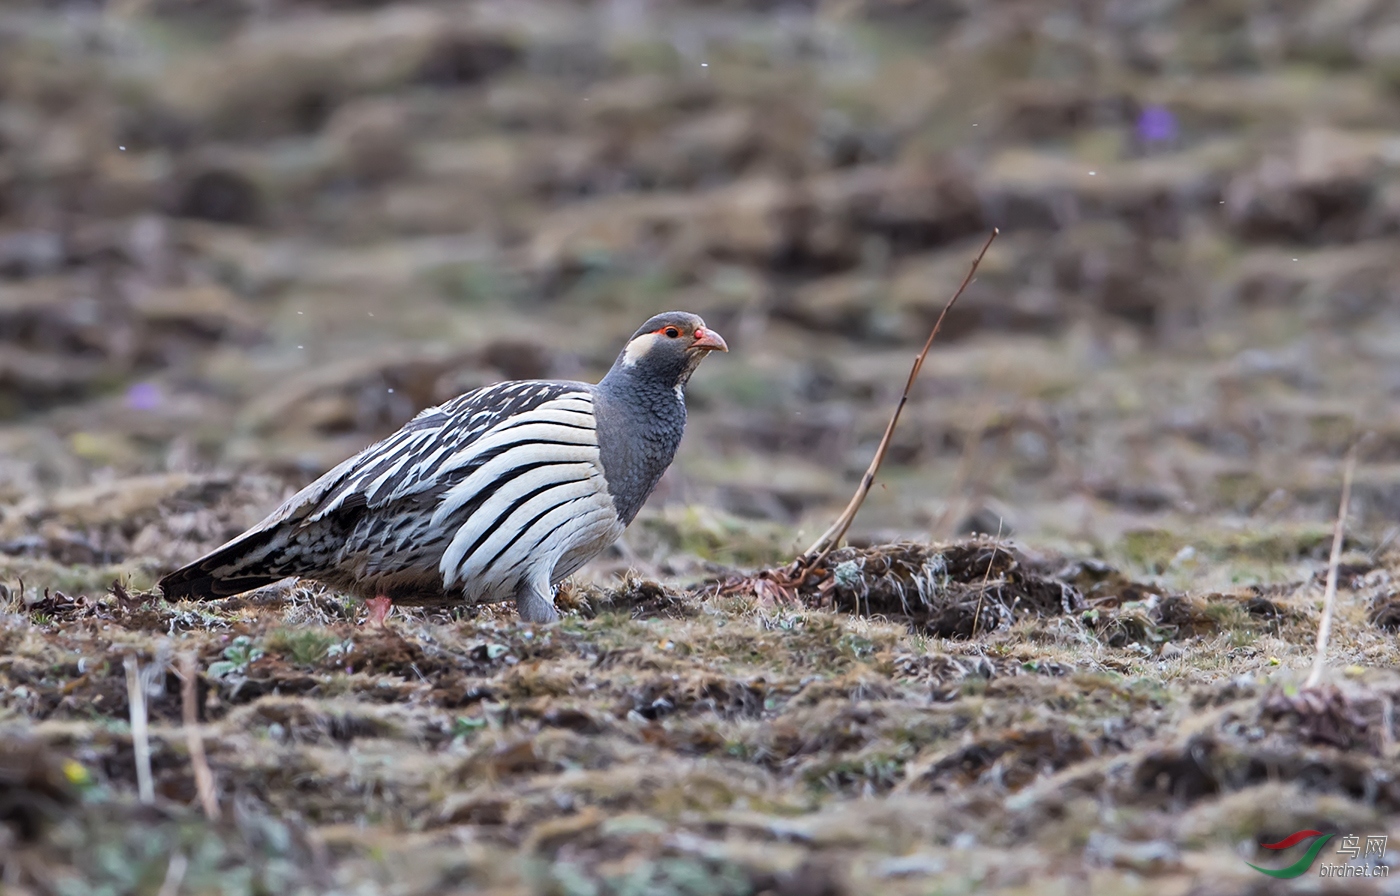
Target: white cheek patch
(637, 349)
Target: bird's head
(669, 347)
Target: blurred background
(241, 239)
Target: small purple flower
(143, 397)
(1156, 124)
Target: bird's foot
(379, 610)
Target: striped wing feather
(467, 498)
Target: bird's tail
(223, 572)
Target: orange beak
(708, 340)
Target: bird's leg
(535, 604)
(379, 609)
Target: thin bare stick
(982, 593)
(1329, 599)
(140, 736)
(174, 875)
(832, 536)
(203, 777)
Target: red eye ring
(671, 332)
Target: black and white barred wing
(481, 491)
(526, 495)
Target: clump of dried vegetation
(862, 738)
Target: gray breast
(639, 431)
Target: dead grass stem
(1329, 598)
(982, 592)
(174, 875)
(203, 777)
(140, 735)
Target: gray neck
(640, 424)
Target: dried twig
(203, 777)
(140, 736)
(1329, 599)
(982, 592)
(832, 536)
(174, 875)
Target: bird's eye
(672, 332)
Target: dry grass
(667, 741)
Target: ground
(1065, 647)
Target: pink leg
(379, 610)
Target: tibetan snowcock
(497, 494)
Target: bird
(498, 494)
